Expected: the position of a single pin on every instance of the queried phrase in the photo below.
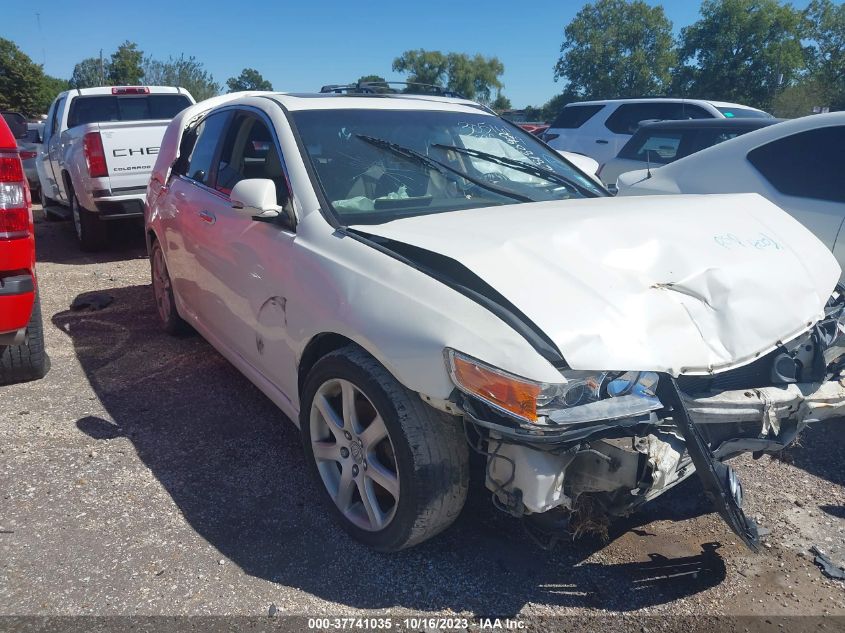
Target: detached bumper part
(631, 460)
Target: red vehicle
(22, 354)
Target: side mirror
(256, 197)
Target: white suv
(408, 277)
(599, 129)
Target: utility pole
(102, 70)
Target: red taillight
(15, 214)
(130, 90)
(95, 156)
(25, 154)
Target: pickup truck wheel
(393, 470)
(90, 231)
(27, 361)
(163, 293)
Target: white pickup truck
(100, 145)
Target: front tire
(90, 231)
(27, 361)
(393, 470)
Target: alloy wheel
(354, 454)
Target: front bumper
(625, 462)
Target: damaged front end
(572, 456)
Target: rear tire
(27, 361)
(90, 231)
(168, 315)
(410, 461)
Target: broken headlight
(582, 396)
(593, 396)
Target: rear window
(743, 113)
(658, 147)
(574, 116)
(807, 164)
(99, 108)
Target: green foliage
(616, 48)
(474, 77)
(501, 103)
(800, 99)
(20, 80)
(49, 88)
(825, 27)
(421, 66)
(88, 73)
(739, 49)
(366, 79)
(185, 72)
(249, 79)
(125, 68)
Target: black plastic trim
(16, 285)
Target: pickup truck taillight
(15, 213)
(95, 156)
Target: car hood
(682, 284)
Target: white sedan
(408, 277)
(797, 164)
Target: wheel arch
(319, 346)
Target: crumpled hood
(683, 284)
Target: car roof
(716, 104)
(705, 124)
(107, 90)
(743, 144)
(380, 101)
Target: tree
(371, 79)
(474, 77)
(182, 71)
(825, 28)
(20, 80)
(501, 103)
(249, 79)
(615, 48)
(421, 66)
(89, 73)
(125, 68)
(48, 89)
(800, 99)
(740, 50)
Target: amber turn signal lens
(507, 392)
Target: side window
(200, 160)
(53, 118)
(574, 116)
(627, 117)
(250, 151)
(807, 164)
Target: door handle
(207, 217)
(601, 142)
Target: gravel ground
(145, 476)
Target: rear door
(568, 129)
(188, 217)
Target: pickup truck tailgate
(131, 149)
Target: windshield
(100, 108)
(744, 113)
(377, 165)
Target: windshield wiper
(441, 168)
(527, 168)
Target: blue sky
(300, 45)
